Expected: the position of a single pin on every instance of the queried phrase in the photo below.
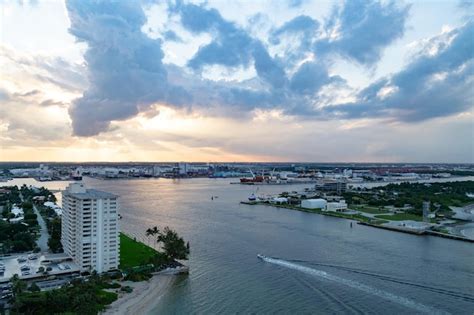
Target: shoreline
(366, 223)
(144, 296)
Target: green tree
(18, 285)
(173, 245)
(34, 287)
(152, 231)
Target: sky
(240, 80)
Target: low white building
(279, 200)
(17, 211)
(339, 206)
(314, 204)
(54, 206)
(19, 215)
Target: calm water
(319, 265)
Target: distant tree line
(441, 195)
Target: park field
(134, 253)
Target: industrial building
(337, 185)
(90, 228)
(314, 204)
(340, 206)
(337, 206)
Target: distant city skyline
(237, 81)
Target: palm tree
(152, 232)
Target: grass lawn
(133, 253)
(400, 217)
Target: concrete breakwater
(173, 271)
(415, 232)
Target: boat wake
(462, 296)
(353, 284)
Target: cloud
(49, 69)
(172, 36)
(125, 69)
(301, 24)
(295, 3)
(231, 47)
(296, 38)
(23, 122)
(310, 77)
(432, 85)
(127, 76)
(29, 93)
(4, 95)
(50, 102)
(361, 29)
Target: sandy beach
(144, 296)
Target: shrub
(127, 289)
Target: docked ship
(255, 179)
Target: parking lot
(30, 266)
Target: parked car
(32, 257)
(21, 259)
(7, 295)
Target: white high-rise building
(90, 228)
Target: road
(42, 241)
